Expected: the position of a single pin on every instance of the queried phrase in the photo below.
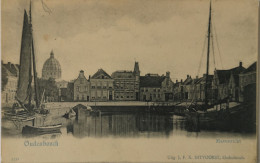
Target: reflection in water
(116, 124)
(121, 125)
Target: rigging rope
(215, 31)
(194, 85)
(213, 52)
(46, 8)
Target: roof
(101, 74)
(10, 69)
(224, 75)
(187, 81)
(251, 68)
(151, 81)
(122, 74)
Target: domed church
(51, 68)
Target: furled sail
(25, 74)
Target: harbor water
(129, 124)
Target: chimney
(176, 81)
(181, 81)
(81, 73)
(167, 74)
(240, 64)
(204, 75)
(187, 76)
(197, 77)
(89, 77)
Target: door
(110, 97)
(166, 96)
(236, 95)
(136, 96)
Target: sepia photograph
(129, 81)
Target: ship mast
(208, 51)
(34, 66)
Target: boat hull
(31, 130)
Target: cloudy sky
(167, 35)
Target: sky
(165, 35)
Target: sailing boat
(207, 115)
(27, 72)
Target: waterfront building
(51, 68)
(126, 84)
(10, 73)
(225, 83)
(70, 91)
(81, 88)
(156, 88)
(197, 91)
(101, 86)
(247, 84)
(62, 83)
(62, 86)
(178, 93)
(187, 88)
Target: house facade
(156, 88)
(9, 78)
(81, 88)
(101, 86)
(126, 84)
(247, 84)
(225, 83)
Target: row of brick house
(234, 84)
(123, 85)
(238, 84)
(9, 76)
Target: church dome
(51, 68)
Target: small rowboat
(32, 130)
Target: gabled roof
(203, 79)
(224, 75)
(101, 74)
(151, 81)
(187, 81)
(251, 68)
(11, 69)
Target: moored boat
(223, 114)
(33, 130)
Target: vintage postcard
(129, 81)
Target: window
(154, 89)
(104, 87)
(93, 86)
